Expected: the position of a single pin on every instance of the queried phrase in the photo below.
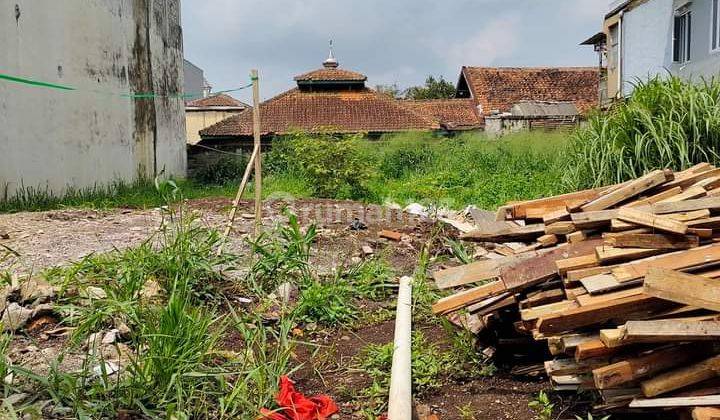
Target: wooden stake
(236, 202)
(258, 158)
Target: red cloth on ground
(295, 406)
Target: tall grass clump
(666, 123)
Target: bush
(333, 166)
(667, 123)
(219, 169)
(406, 157)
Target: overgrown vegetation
(666, 123)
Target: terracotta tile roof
(221, 100)
(331, 74)
(452, 114)
(355, 111)
(501, 88)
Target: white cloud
(494, 41)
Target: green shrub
(326, 303)
(333, 166)
(219, 169)
(406, 157)
(666, 123)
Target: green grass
(667, 123)
(406, 167)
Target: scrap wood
(392, 235)
(611, 255)
(706, 400)
(653, 221)
(646, 364)
(504, 232)
(654, 241)
(633, 307)
(682, 377)
(689, 289)
(468, 297)
(706, 413)
(695, 191)
(476, 271)
(681, 260)
(628, 190)
(706, 328)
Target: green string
(138, 95)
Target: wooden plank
(653, 221)
(518, 210)
(492, 304)
(680, 260)
(540, 268)
(624, 309)
(689, 215)
(655, 198)
(577, 236)
(593, 219)
(467, 297)
(686, 182)
(504, 232)
(605, 283)
(548, 240)
(586, 300)
(706, 400)
(592, 349)
(654, 241)
(611, 255)
(576, 263)
(476, 271)
(682, 377)
(689, 289)
(577, 275)
(709, 223)
(648, 364)
(538, 311)
(692, 192)
(543, 298)
(706, 413)
(560, 228)
(629, 190)
(573, 367)
(556, 216)
(669, 330)
(569, 342)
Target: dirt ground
(45, 239)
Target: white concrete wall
(646, 42)
(56, 139)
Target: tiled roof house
(497, 89)
(335, 100)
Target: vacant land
(332, 335)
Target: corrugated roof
(544, 109)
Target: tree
(433, 89)
(392, 91)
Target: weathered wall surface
(647, 42)
(194, 78)
(56, 139)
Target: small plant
(590, 417)
(328, 304)
(370, 278)
(428, 365)
(466, 412)
(459, 250)
(282, 255)
(542, 406)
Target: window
(612, 54)
(681, 39)
(715, 42)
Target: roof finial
(331, 62)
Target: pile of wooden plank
(622, 283)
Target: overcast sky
(391, 41)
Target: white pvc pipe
(400, 401)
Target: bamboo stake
(258, 158)
(400, 400)
(236, 202)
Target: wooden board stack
(621, 282)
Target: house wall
(647, 43)
(198, 120)
(93, 136)
(703, 62)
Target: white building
(98, 133)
